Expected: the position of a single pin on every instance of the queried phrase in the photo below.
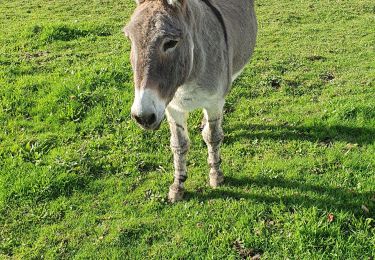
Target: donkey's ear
(139, 1)
(177, 2)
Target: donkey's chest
(192, 96)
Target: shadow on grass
(304, 195)
(323, 134)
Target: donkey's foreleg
(213, 136)
(180, 146)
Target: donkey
(185, 54)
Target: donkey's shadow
(325, 197)
(308, 195)
(319, 133)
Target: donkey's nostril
(149, 120)
(138, 119)
(146, 120)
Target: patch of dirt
(246, 253)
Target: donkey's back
(225, 38)
(241, 25)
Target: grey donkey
(185, 55)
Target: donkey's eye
(169, 45)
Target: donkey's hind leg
(180, 145)
(213, 136)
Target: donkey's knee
(180, 146)
(213, 136)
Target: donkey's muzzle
(147, 109)
(147, 121)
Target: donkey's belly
(191, 96)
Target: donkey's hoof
(216, 178)
(176, 193)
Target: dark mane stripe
(219, 17)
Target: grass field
(78, 178)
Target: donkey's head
(161, 56)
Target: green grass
(78, 179)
